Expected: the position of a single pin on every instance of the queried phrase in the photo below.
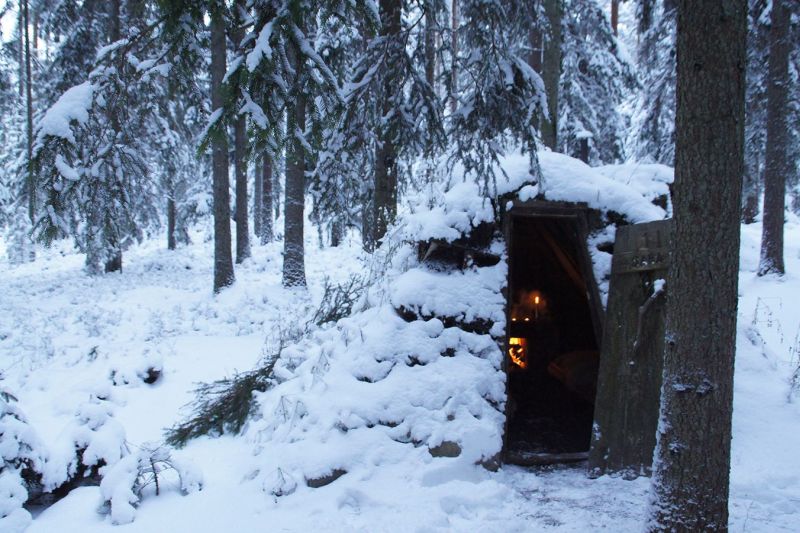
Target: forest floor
(63, 333)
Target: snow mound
(377, 389)
(467, 296)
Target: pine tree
(692, 458)
(595, 81)
(654, 117)
(499, 97)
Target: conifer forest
(399, 265)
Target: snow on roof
(625, 189)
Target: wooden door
(631, 356)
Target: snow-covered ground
(64, 335)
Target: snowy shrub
(338, 300)
(149, 468)
(146, 367)
(92, 442)
(21, 464)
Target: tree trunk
(454, 46)
(21, 25)
(31, 182)
(337, 233)
(223, 263)
(294, 270)
(240, 156)
(266, 234)
(171, 218)
(258, 198)
(385, 190)
(777, 164)
(615, 17)
(114, 263)
(114, 30)
(551, 71)
(240, 166)
(750, 191)
(367, 232)
(430, 43)
(692, 457)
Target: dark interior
(553, 353)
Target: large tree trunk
(385, 191)
(266, 234)
(223, 263)
(692, 457)
(240, 156)
(777, 165)
(294, 270)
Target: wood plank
(539, 459)
(631, 360)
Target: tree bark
(692, 457)
(750, 191)
(171, 219)
(31, 183)
(385, 190)
(454, 46)
(258, 198)
(114, 263)
(430, 43)
(266, 234)
(240, 156)
(240, 166)
(223, 263)
(615, 17)
(294, 271)
(551, 71)
(21, 25)
(777, 164)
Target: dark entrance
(553, 337)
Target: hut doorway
(553, 337)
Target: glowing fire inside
(517, 351)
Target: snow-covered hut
(481, 340)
